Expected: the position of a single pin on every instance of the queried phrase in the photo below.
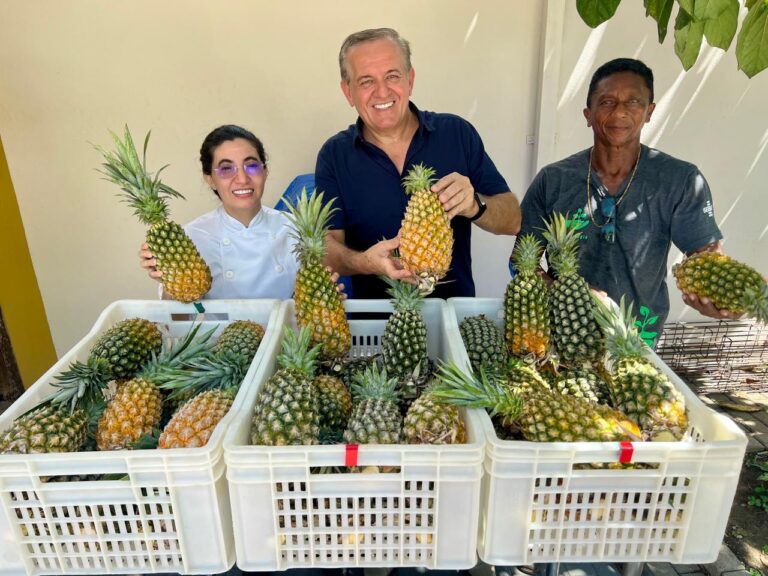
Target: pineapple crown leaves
(82, 384)
(373, 383)
(309, 222)
(419, 177)
(161, 367)
(406, 296)
(622, 339)
(527, 254)
(146, 194)
(213, 371)
(485, 390)
(756, 302)
(296, 353)
(562, 244)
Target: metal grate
(717, 356)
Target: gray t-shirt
(668, 202)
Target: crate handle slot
(207, 316)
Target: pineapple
(241, 337)
(186, 276)
(211, 381)
(574, 328)
(60, 423)
(133, 412)
(527, 303)
(128, 345)
(376, 416)
(728, 283)
(540, 414)
(318, 304)
(404, 342)
(426, 237)
(583, 383)
(483, 342)
(637, 388)
(351, 366)
(430, 421)
(335, 402)
(287, 411)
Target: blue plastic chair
(292, 194)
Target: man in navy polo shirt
(362, 168)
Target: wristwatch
(482, 207)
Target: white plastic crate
(542, 503)
(287, 516)
(171, 513)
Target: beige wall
(71, 70)
(712, 116)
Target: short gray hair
(368, 36)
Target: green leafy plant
(715, 21)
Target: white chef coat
(246, 262)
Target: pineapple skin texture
(46, 430)
(319, 307)
(483, 342)
(133, 412)
(186, 276)
(583, 383)
(128, 345)
(404, 343)
(286, 411)
(718, 277)
(527, 316)
(335, 402)
(374, 421)
(240, 337)
(647, 396)
(193, 424)
(431, 422)
(574, 329)
(426, 237)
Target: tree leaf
(688, 36)
(721, 30)
(752, 42)
(749, 3)
(660, 10)
(595, 12)
(708, 9)
(686, 5)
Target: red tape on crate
(351, 455)
(626, 450)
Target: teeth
(242, 192)
(383, 106)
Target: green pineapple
(61, 422)
(128, 345)
(376, 415)
(483, 342)
(404, 342)
(574, 328)
(335, 402)
(638, 388)
(728, 283)
(527, 303)
(583, 383)
(186, 276)
(350, 366)
(541, 415)
(241, 337)
(287, 410)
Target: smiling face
(379, 85)
(241, 193)
(620, 106)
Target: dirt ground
(747, 531)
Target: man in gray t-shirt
(630, 202)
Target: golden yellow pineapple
(134, 412)
(318, 304)
(430, 421)
(186, 276)
(728, 283)
(426, 237)
(192, 425)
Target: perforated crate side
(546, 502)
(160, 511)
(286, 515)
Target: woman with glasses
(246, 245)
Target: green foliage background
(715, 21)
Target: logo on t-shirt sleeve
(708, 209)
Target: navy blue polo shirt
(371, 200)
